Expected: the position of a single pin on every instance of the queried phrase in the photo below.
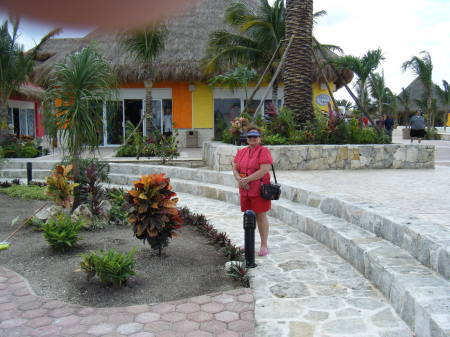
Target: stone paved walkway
(302, 288)
(22, 314)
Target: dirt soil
(191, 266)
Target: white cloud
(402, 28)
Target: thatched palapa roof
(31, 91)
(416, 89)
(188, 35)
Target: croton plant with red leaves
(152, 210)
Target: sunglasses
(252, 136)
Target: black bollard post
(29, 172)
(249, 228)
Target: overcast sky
(402, 28)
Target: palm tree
(444, 96)
(298, 68)
(345, 103)
(260, 42)
(145, 45)
(363, 67)
(79, 87)
(261, 32)
(423, 68)
(405, 99)
(238, 78)
(15, 66)
(379, 91)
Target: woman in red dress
(251, 167)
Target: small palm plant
(79, 88)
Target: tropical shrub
(432, 133)
(152, 211)
(275, 140)
(91, 192)
(59, 187)
(118, 214)
(111, 267)
(61, 232)
(20, 147)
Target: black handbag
(271, 191)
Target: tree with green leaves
(258, 40)
(260, 32)
(15, 66)
(238, 78)
(378, 91)
(79, 88)
(405, 99)
(423, 68)
(146, 44)
(345, 103)
(363, 67)
(444, 96)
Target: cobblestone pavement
(225, 314)
(302, 288)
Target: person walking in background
(251, 167)
(417, 123)
(389, 125)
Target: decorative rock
(105, 208)
(84, 213)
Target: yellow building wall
(321, 95)
(448, 119)
(202, 106)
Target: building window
(225, 110)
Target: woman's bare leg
(263, 228)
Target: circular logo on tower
(323, 99)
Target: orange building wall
(181, 101)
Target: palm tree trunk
(298, 68)
(4, 130)
(148, 106)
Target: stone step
(302, 288)
(426, 241)
(22, 174)
(419, 295)
(14, 163)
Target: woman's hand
(243, 183)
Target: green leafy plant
(27, 192)
(432, 133)
(92, 191)
(275, 140)
(59, 187)
(152, 211)
(61, 232)
(111, 266)
(118, 214)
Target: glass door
(157, 115)
(114, 123)
(133, 113)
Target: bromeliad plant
(59, 187)
(152, 212)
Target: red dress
(249, 160)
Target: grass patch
(31, 192)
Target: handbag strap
(274, 176)
(273, 170)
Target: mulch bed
(190, 266)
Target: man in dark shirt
(389, 125)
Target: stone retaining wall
(218, 156)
